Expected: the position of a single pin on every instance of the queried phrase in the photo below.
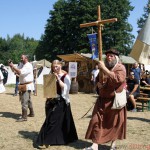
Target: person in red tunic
(106, 124)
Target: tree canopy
(63, 34)
(13, 48)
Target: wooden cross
(99, 23)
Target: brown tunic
(107, 124)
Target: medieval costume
(59, 127)
(108, 124)
(25, 72)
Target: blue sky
(29, 17)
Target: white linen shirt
(95, 73)
(66, 89)
(26, 75)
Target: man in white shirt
(25, 73)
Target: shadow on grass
(137, 118)
(96, 96)
(9, 115)
(88, 116)
(9, 94)
(31, 136)
(85, 116)
(79, 144)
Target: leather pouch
(22, 88)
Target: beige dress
(107, 124)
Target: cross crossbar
(97, 23)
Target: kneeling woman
(58, 128)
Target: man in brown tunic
(106, 124)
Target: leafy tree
(12, 48)
(118, 34)
(30, 47)
(142, 19)
(63, 34)
(3, 45)
(17, 42)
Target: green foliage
(3, 45)
(142, 19)
(63, 34)
(13, 48)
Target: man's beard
(110, 64)
(22, 62)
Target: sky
(29, 17)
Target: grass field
(22, 135)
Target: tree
(63, 34)
(12, 48)
(142, 19)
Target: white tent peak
(144, 34)
(42, 62)
(141, 48)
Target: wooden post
(99, 34)
(99, 23)
(35, 81)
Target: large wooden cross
(99, 23)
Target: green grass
(10, 85)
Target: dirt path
(22, 136)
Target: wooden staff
(99, 23)
(35, 81)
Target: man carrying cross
(107, 124)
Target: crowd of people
(137, 78)
(106, 124)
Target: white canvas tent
(147, 67)
(45, 65)
(42, 62)
(141, 48)
(12, 77)
(44, 71)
